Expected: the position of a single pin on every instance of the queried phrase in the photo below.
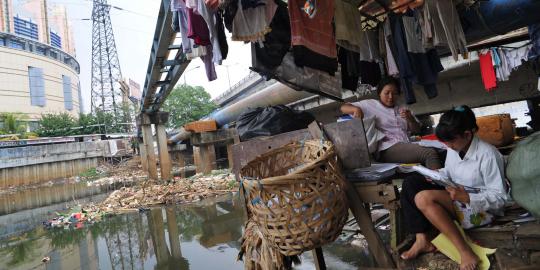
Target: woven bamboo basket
(296, 195)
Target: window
(2, 42)
(68, 99)
(41, 50)
(16, 44)
(53, 55)
(37, 86)
(33, 125)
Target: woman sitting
(472, 164)
(396, 124)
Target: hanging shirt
(251, 24)
(314, 33)
(349, 32)
(482, 167)
(197, 28)
(387, 120)
(487, 70)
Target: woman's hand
(357, 113)
(459, 194)
(405, 114)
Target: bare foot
(469, 260)
(421, 245)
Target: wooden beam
(207, 159)
(213, 137)
(144, 157)
(164, 157)
(181, 164)
(230, 156)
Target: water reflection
(191, 237)
(185, 237)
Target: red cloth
(198, 29)
(317, 33)
(488, 72)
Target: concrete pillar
(164, 157)
(197, 159)
(150, 152)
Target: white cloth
(482, 167)
(387, 120)
(373, 135)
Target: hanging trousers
(415, 220)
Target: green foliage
(56, 124)
(13, 123)
(100, 122)
(187, 104)
(90, 174)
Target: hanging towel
(487, 70)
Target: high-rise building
(38, 70)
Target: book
(435, 176)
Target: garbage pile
(181, 190)
(77, 218)
(146, 194)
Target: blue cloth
(419, 68)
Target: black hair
(455, 122)
(386, 81)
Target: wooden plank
(509, 259)
(181, 164)
(350, 141)
(144, 157)
(164, 156)
(318, 259)
(230, 158)
(201, 126)
(381, 193)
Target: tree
(52, 124)
(186, 104)
(13, 123)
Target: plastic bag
(524, 173)
(271, 121)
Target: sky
(133, 31)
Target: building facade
(38, 70)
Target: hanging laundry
(486, 68)
(501, 64)
(269, 54)
(413, 34)
(212, 4)
(350, 68)
(313, 38)
(209, 17)
(534, 34)
(442, 15)
(197, 29)
(251, 24)
(420, 68)
(252, 3)
(370, 73)
(390, 50)
(348, 25)
(222, 38)
(517, 56)
(229, 12)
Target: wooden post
(150, 152)
(142, 154)
(164, 157)
(181, 164)
(197, 159)
(207, 158)
(318, 259)
(230, 156)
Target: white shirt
(482, 167)
(387, 120)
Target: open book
(435, 176)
